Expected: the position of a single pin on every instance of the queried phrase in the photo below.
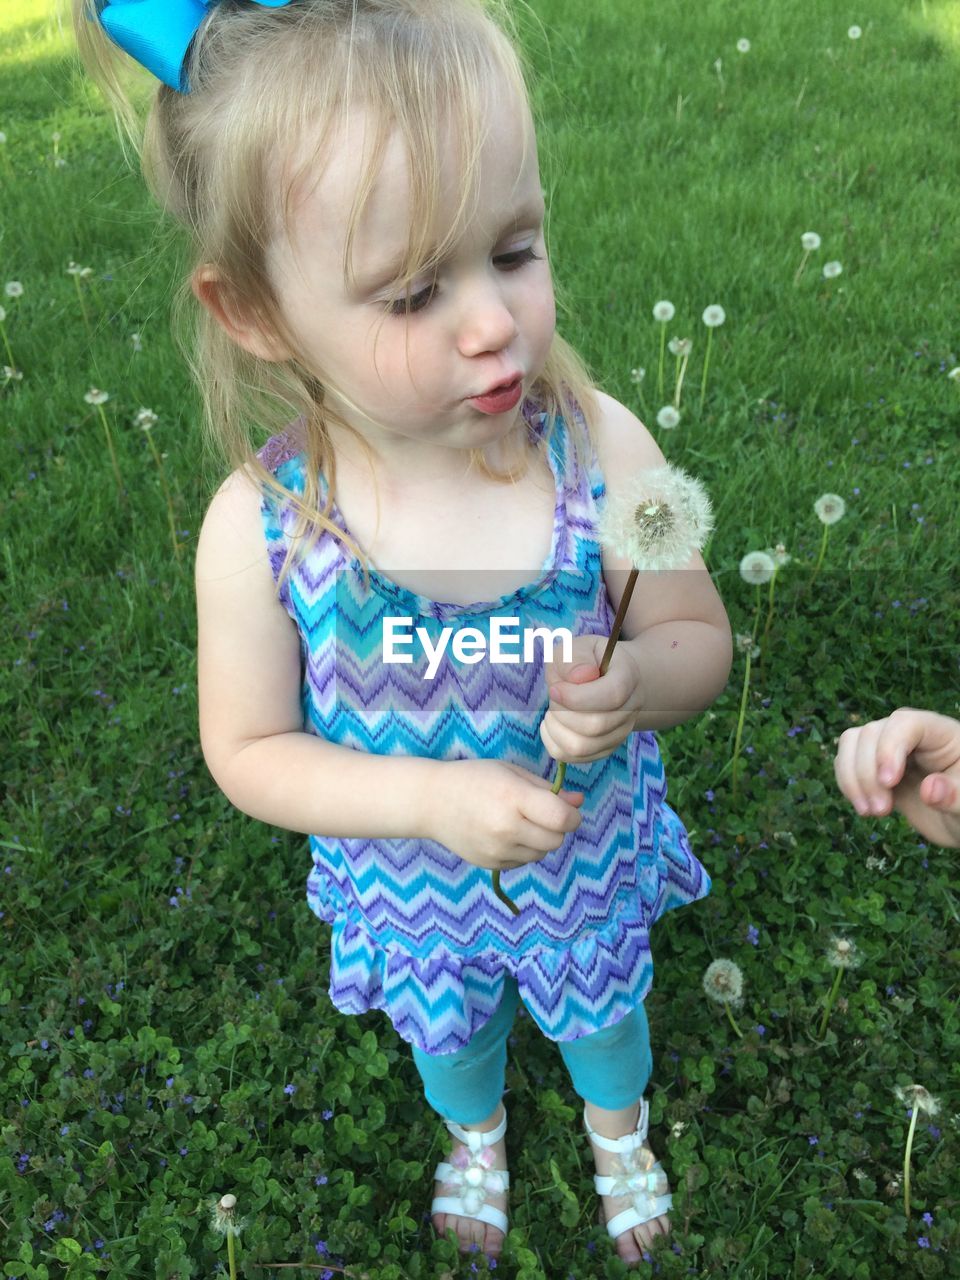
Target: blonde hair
(260, 77)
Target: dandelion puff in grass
(842, 954)
(854, 32)
(919, 1100)
(668, 417)
(13, 289)
(663, 313)
(743, 45)
(954, 374)
(723, 983)
(99, 398)
(831, 270)
(757, 567)
(809, 242)
(146, 419)
(713, 317)
(829, 508)
(224, 1222)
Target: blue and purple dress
(416, 930)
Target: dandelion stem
(6, 343)
(83, 306)
(113, 456)
(561, 774)
(803, 263)
(163, 481)
(726, 1005)
(830, 999)
(663, 347)
(231, 1256)
(681, 372)
(618, 620)
(706, 366)
(906, 1161)
(766, 629)
(495, 878)
(740, 720)
(823, 552)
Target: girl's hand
(498, 815)
(910, 760)
(591, 715)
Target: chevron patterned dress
(415, 930)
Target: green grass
(666, 183)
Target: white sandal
(471, 1174)
(638, 1176)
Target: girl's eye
(415, 302)
(519, 258)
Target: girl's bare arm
(251, 720)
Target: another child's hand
(589, 715)
(498, 815)
(910, 760)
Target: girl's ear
(211, 294)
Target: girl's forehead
(358, 173)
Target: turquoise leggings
(609, 1068)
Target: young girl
(361, 181)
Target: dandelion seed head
(96, 396)
(664, 311)
(13, 289)
(830, 508)
(757, 567)
(223, 1219)
(745, 644)
(668, 417)
(723, 982)
(637, 375)
(831, 270)
(955, 374)
(145, 419)
(743, 45)
(916, 1096)
(659, 520)
(854, 32)
(714, 316)
(810, 241)
(842, 953)
(680, 346)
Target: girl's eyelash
(406, 306)
(518, 258)
(415, 302)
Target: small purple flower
(923, 1243)
(813, 1140)
(184, 1150)
(64, 1130)
(44, 1044)
(753, 935)
(322, 1249)
(761, 1029)
(289, 1089)
(321, 1180)
(326, 1115)
(928, 1219)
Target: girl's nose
(486, 322)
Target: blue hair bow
(157, 33)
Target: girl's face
(451, 372)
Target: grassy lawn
(166, 1032)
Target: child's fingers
(940, 792)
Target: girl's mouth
(500, 399)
